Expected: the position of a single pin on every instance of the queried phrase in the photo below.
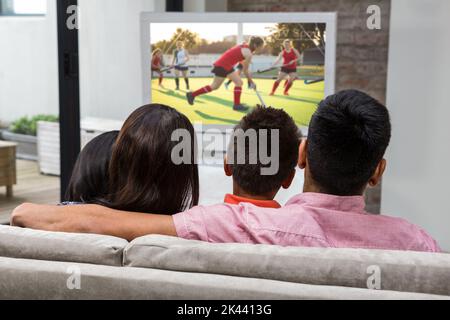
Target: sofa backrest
(59, 246)
(375, 269)
(34, 279)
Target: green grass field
(216, 107)
(304, 72)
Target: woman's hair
(255, 42)
(90, 179)
(143, 176)
(287, 41)
(157, 50)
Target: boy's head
(264, 136)
(347, 139)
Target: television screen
(217, 70)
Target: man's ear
(376, 177)
(288, 181)
(302, 154)
(227, 167)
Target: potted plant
(23, 131)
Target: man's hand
(30, 215)
(252, 85)
(18, 216)
(47, 217)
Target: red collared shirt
(232, 199)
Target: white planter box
(48, 140)
(48, 147)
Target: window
(23, 7)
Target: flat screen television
(183, 48)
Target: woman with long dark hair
(133, 170)
(143, 176)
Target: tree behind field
(216, 47)
(193, 43)
(190, 40)
(298, 33)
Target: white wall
(110, 63)
(109, 60)
(28, 65)
(110, 56)
(110, 53)
(416, 182)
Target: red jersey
(156, 62)
(288, 57)
(231, 57)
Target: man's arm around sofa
(92, 219)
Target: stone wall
(362, 54)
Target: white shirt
(180, 57)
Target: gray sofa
(52, 265)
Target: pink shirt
(309, 220)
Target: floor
(31, 187)
(36, 188)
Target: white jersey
(180, 57)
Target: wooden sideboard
(8, 176)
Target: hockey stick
(313, 81)
(166, 69)
(266, 70)
(279, 67)
(260, 98)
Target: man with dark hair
(347, 139)
(348, 136)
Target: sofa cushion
(361, 268)
(33, 279)
(59, 246)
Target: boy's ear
(302, 154)
(227, 167)
(376, 177)
(288, 181)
